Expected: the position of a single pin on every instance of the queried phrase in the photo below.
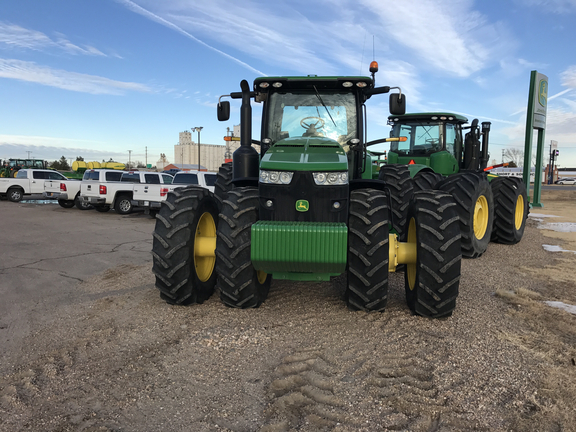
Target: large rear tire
(426, 180)
(400, 188)
(475, 206)
(240, 284)
(510, 209)
(367, 287)
(432, 282)
(184, 234)
(223, 182)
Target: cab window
(22, 174)
(167, 179)
(40, 175)
(151, 179)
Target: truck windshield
(422, 138)
(330, 115)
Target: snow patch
(556, 248)
(560, 305)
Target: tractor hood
(305, 154)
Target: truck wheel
(426, 180)
(475, 206)
(510, 209)
(183, 246)
(240, 284)
(81, 204)
(15, 194)
(223, 182)
(367, 287)
(123, 205)
(400, 188)
(66, 203)
(102, 208)
(433, 227)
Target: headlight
(331, 178)
(276, 177)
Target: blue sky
(99, 78)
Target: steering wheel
(311, 125)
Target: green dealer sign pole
(535, 119)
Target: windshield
(422, 137)
(311, 114)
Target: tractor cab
(436, 140)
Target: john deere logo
(543, 92)
(302, 205)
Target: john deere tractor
(439, 151)
(11, 167)
(306, 207)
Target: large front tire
(475, 206)
(368, 251)
(400, 187)
(432, 282)
(182, 248)
(510, 209)
(240, 284)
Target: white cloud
(569, 77)
(138, 9)
(31, 72)
(14, 36)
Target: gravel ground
(115, 357)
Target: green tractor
(307, 207)
(439, 151)
(11, 167)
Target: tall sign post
(535, 119)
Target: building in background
(212, 156)
(162, 162)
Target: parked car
(566, 181)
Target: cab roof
(428, 116)
(320, 82)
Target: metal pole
(198, 129)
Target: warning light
(374, 67)
(231, 138)
(411, 162)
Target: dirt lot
(102, 352)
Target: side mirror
(397, 104)
(223, 110)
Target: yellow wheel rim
(411, 268)
(204, 246)
(481, 217)
(519, 215)
(261, 276)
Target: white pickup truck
(28, 181)
(151, 196)
(67, 192)
(104, 194)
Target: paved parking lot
(47, 250)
